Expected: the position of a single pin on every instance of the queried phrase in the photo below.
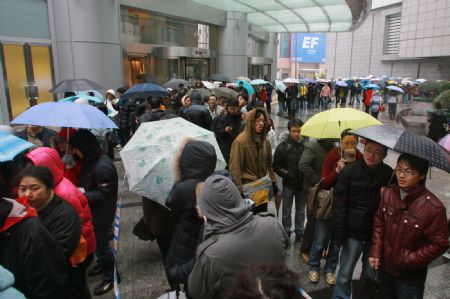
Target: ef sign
(309, 47)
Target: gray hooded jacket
(234, 239)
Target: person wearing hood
(251, 153)
(194, 162)
(197, 113)
(234, 238)
(438, 122)
(286, 159)
(100, 183)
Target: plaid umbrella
(404, 141)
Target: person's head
(241, 84)
(110, 94)
(233, 107)
(411, 171)
(223, 101)
(243, 100)
(260, 120)
(36, 184)
(374, 153)
(294, 127)
(120, 91)
(194, 159)
(212, 102)
(437, 105)
(186, 101)
(265, 281)
(348, 140)
(154, 102)
(84, 145)
(196, 98)
(31, 129)
(180, 86)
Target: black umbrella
(219, 77)
(174, 83)
(144, 90)
(404, 141)
(205, 93)
(75, 85)
(225, 92)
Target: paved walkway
(142, 270)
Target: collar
(20, 211)
(411, 195)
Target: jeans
(281, 107)
(300, 202)
(350, 252)
(322, 236)
(308, 234)
(392, 110)
(104, 254)
(396, 289)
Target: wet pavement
(140, 263)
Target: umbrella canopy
(203, 91)
(174, 83)
(331, 123)
(291, 80)
(395, 88)
(11, 146)
(371, 86)
(96, 93)
(280, 85)
(364, 82)
(208, 85)
(75, 85)
(225, 92)
(258, 82)
(243, 78)
(219, 77)
(64, 114)
(145, 90)
(74, 98)
(247, 86)
(405, 141)
(149, 155)
(445, 142)
(341, 83)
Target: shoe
(103, 287)
(314, 276)
(305, 257)
(331, 278)
(94, 270)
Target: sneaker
(305, 257)
(331, 278)
(103, 287)
(314, 276)
(94, 270)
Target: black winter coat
(356, 199)
(437, 122)
(224, 139)
(153, 115)
(63, 223)
(126, 114)
(286, 163)
(199, 115)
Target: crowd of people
(217, 239)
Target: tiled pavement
(141, 266)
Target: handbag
(381, 108)
(260, 191)
(319, 202)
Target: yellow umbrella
(331, 123)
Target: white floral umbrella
(149, 155)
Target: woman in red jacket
(409, 230)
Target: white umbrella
(149, 155)
(395, 88)
(280, 85)
(258, 82)
(208, 85)
(291, 80)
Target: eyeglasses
(406, 172)
(263, 121)
(375, 153)
(349, 143)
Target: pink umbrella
(445, 142)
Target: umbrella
(258, 82)
(208, 85)
(203, 91)
(364, 82)
(250, 89)
(174, 83)
(75, 85)
(149, 155)
(291, 80)
(97, 94)
(225, 92)
(371, 86)
(331, 123)
(405, 141)
(219, 77)
(341, 83)
(231, 85)
(445, 142)
(243, 78)
(280, 85)
(395, 88)
(145, 90)
(11, 146)
(89, 98)
(64, 114)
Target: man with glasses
(356, 198)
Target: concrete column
(86, 40)
(270, 51)
(233, 45)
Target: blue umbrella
(341, 83)
(247, 86)
(395, 88)
(73, 98)
(144, 90)
(11, 146)
(364, 82)
(371, 86)
(64, 114)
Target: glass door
(196, 69)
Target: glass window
(42, 72)
(16, 78)
(392, 34)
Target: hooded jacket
(234, 239)
(98, 178)
(197, 113)
(30, 253)
(251, 154)
(196, 160)
(49, 158)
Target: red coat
(48, 157)
(329, 174)
(409, 234)
(368, 97)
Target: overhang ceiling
(291, 15)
